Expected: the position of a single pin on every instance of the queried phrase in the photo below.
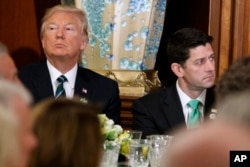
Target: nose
(60, 34)
(210, 66)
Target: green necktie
(60, 89)
(194, 115)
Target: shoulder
(154, 96)
(159, 96)
(94, 76)
(30, 71)
(32, 67)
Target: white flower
(112, 132)
(109, 130)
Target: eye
(69, 28)
(52, 27)
(211, 58)
(199, 61)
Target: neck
(63, 66)
(191, 91)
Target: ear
(177, 69)
(42, 41)
(84, 43)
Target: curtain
(123, 34)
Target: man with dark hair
(192, 61)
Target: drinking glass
(129, 136)
(110, 154)
(158, 143)
(138, 153)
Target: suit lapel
(172, 108)
(82, 86)
(209, 101)
(42, 82)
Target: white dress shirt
(184, 98)
(68, 85)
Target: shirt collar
(185, 98)
(70, 75)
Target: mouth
(210, 77)
(59, 45)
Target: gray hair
(8, 140)
(9, 91)
(235, 107)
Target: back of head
(68, 132)
(16, 100)
(235, 108)
(184, 39)
(8, 138)
(8, 69)
(235, 79)
(10, 92)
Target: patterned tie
(194, 115)
(60, 89)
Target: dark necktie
(60, 89)
(194, 115)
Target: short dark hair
(184, 39)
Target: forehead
(63, 17)
(201, 51)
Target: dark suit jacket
(100, 89)
(161, 112)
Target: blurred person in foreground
(8, 138)
(15, 99)
(64, 36)
(192, 61)
(8, 69)
(235, 79)
(68, 132)
(210, 145)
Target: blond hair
(63, 8)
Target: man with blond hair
(64, 36)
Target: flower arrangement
(113, 132)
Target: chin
(209, 85)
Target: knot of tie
(61, 79)
(194, 104)
(194, 115)
(60, 89)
